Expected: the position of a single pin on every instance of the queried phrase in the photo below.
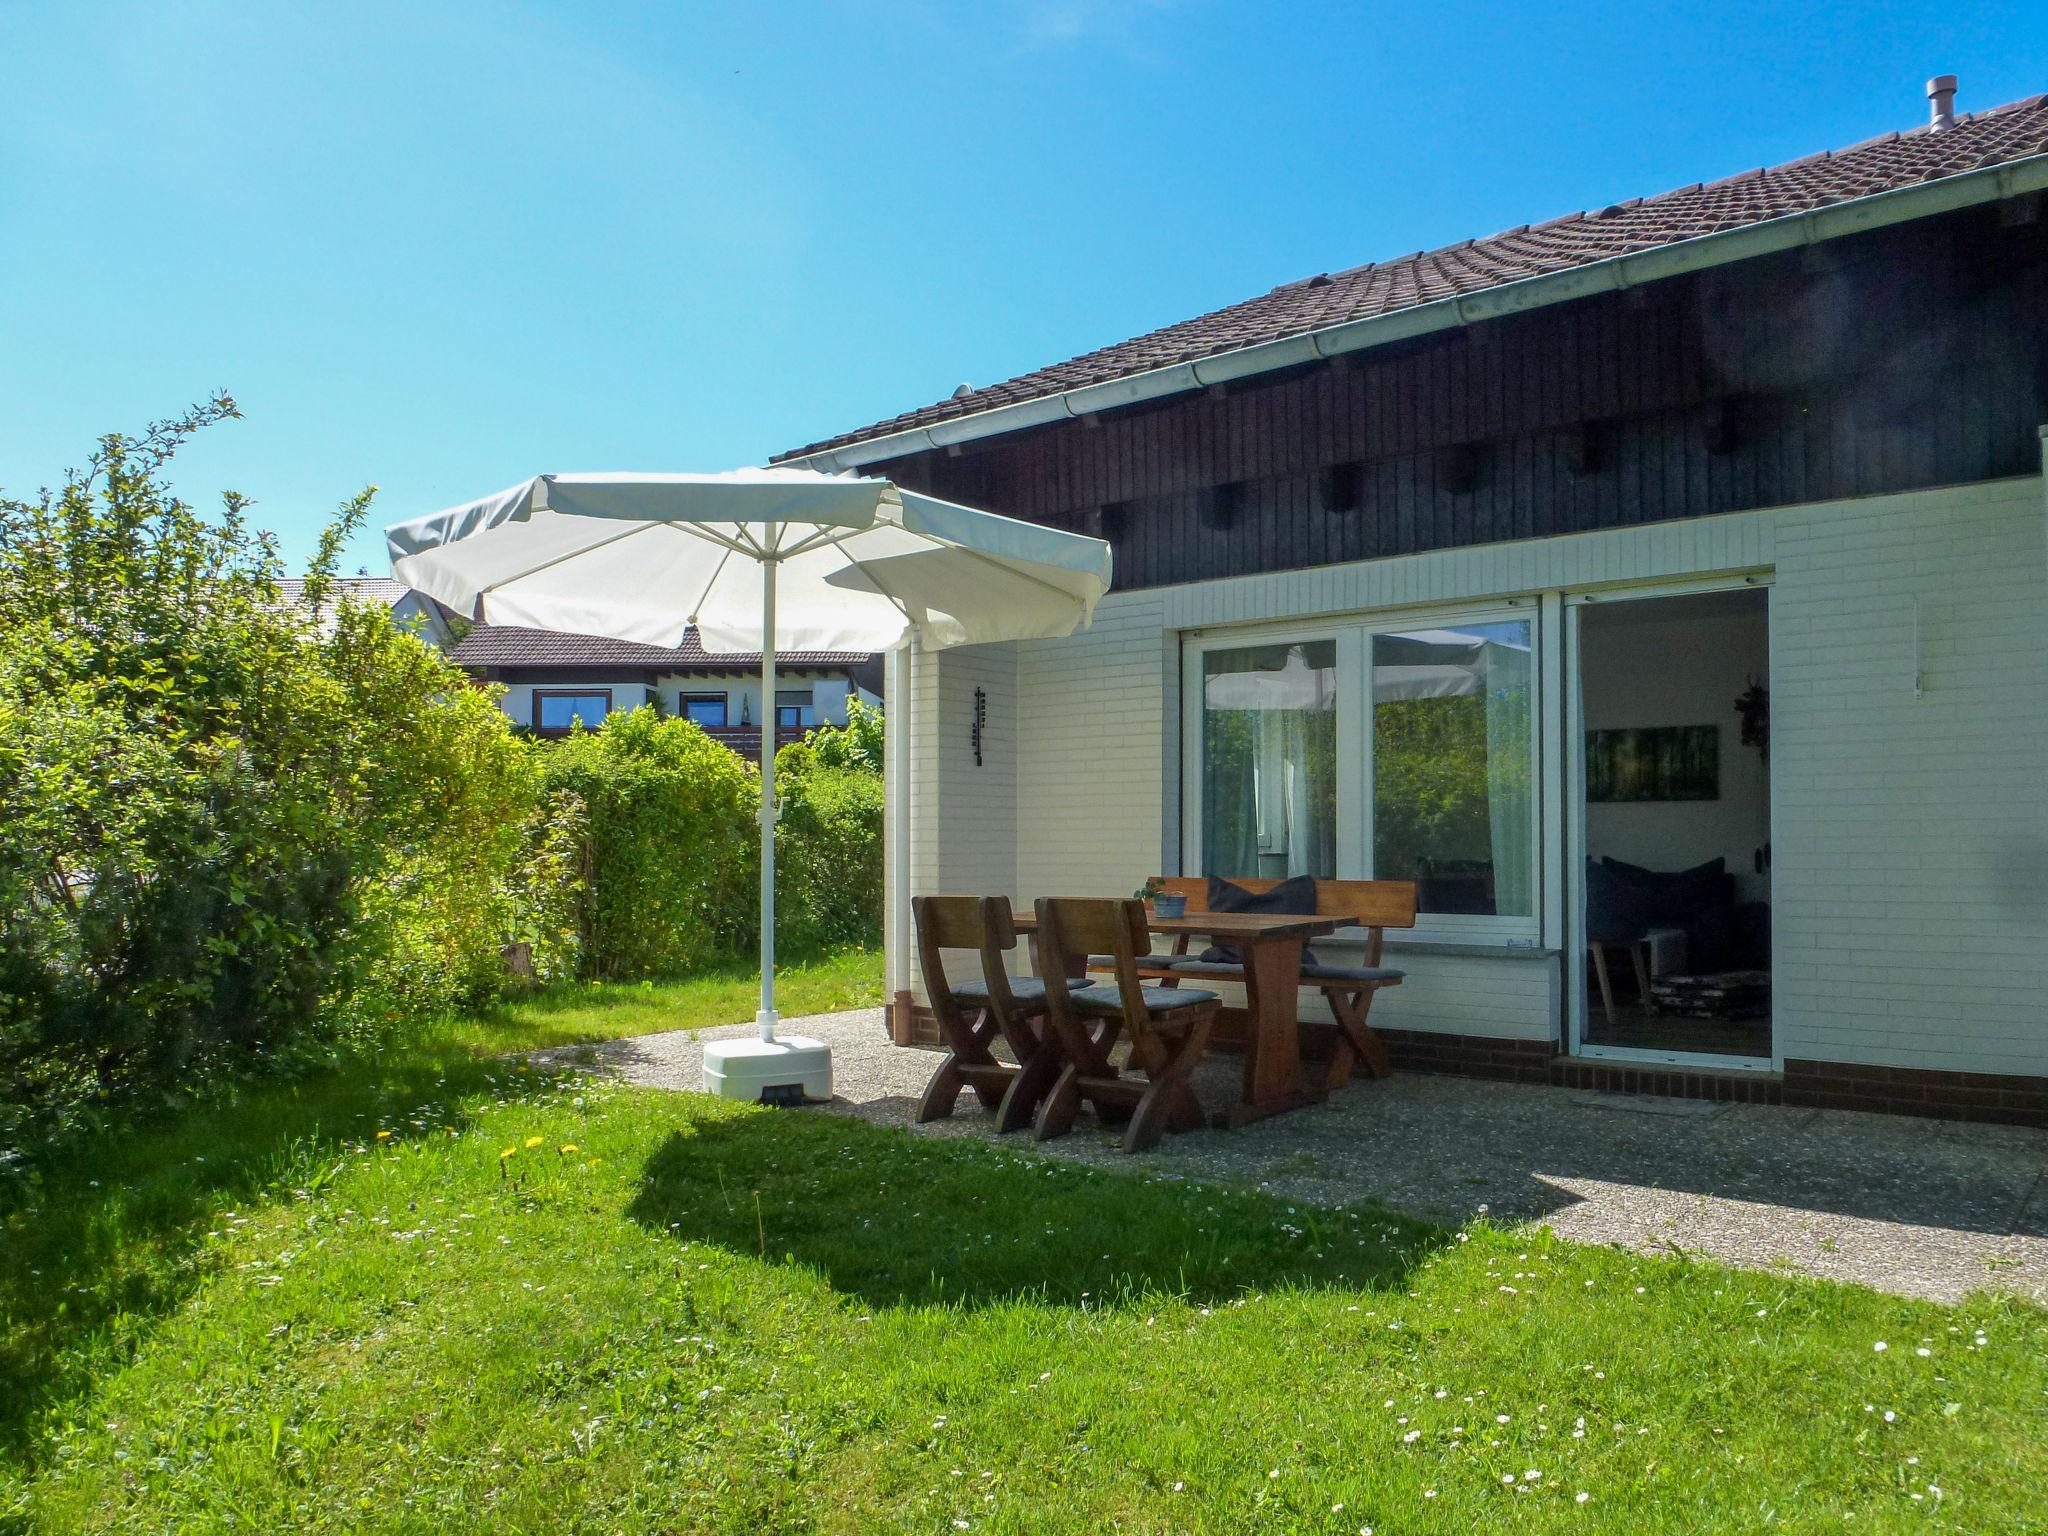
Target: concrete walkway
(1921, 1207)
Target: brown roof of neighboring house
(506, 645)
(1332, 298)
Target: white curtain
(1510, 782)
(1270, 735)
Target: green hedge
(828, 859)
(670, 858)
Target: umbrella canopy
(753, 560)
(860, 563)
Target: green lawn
(555, 1305)
(849, 978)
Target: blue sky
(440, 248)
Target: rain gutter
(1987, 184)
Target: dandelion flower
(534, 1141)
(383, 1135)
(508, 1152)
(566, 1148)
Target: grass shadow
(899, 1220)
(105, 1230)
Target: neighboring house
(555, 681)
(1455, 567)
(413, 609)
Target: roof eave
(1812, 226)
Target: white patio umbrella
(753, 560)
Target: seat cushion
(1360, 973)
(1196, 965)
(1290, 898)
(1029, 991)
(1107, 1001)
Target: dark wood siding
(1902, 359)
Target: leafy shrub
(227, 831)
(670, 859)
(856, 744)
(828, 859)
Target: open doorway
(1672, 803)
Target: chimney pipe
(1941, 103)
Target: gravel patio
(1926, 1208)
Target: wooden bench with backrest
(1375, 905)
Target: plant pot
(1169, 906)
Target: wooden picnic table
(1269, 1025)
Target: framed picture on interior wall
(1655, 762)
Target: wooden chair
(972, 1015)
(1168, 1027)
(1377, 905)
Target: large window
(558, 712)
(705, 708)
(1370, 751)
(1269, 765)
(1452, 790)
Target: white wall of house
(829, 695)
(742, 693)
(1910, 722)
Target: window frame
(722, 700)
(1355, 851)
(556, 733)
(808, 706)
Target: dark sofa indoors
(1625, 901)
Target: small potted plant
(1164, 903)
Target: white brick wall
(1911, 883)
(963, 820)
(1095, 754)
(1911, 846)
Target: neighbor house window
(704, 708)
(1373, 751)
(793, 707)
(558, 712)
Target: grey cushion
(1027, 990)
(1196, 966)
(1107, 1000)
(1350, 973)
(1108, 962)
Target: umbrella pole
(766, 1018)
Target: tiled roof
(506, 645)
(1533, 250)
(364, 589)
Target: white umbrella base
(792, 1067)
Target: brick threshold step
(1667, 1081)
